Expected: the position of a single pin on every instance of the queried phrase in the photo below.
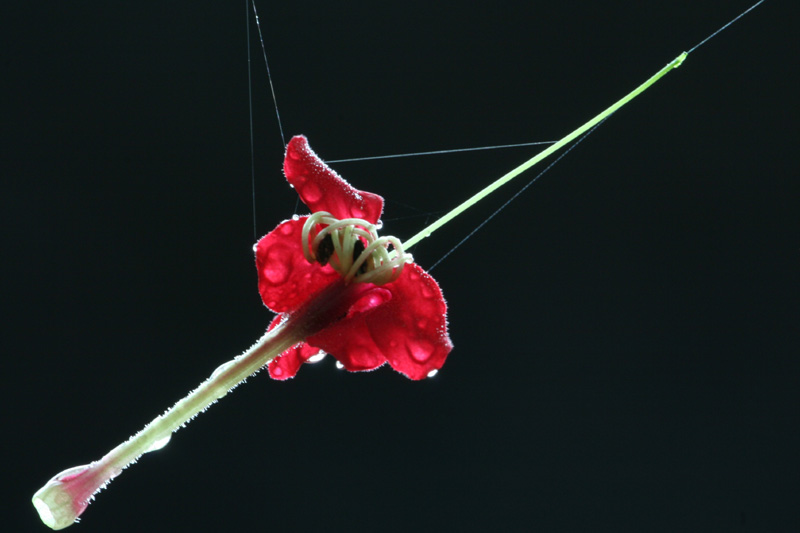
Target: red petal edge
(322, 189)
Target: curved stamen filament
(390, 264)
(374, 264)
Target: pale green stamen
(382, 266)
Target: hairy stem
(67, 495)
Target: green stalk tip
(545, 153)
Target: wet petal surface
(362, 325)
(322, 189)
(411, 330)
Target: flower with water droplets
(394, 311)
(337, 287)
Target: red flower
(336, 292)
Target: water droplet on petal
(419, 349)
(277, 264)
(339, 365)
(276, 273)
(317, 358)
(311, 192)
(295, 217)
(432, 373)
(255, 247)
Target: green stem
(543, 154)
(66, 495)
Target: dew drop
(432, 373)
(317, 358)
(311, 192)
(339, 365)
(276, 273)
(255, 247)
(277, 266)
(295, 217)
(160, 443)
(420, 349)
(379, 224)
(222, 368)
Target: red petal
(285, 278)
(411, 329)
(287, 364)
(349, 340)
(322, 189)
(403, 322)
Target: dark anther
(325, 249)
(359, 247)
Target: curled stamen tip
(352, 247)
(62, 500)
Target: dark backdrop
(626, 338)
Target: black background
(626, 339)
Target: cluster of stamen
(353, 248)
